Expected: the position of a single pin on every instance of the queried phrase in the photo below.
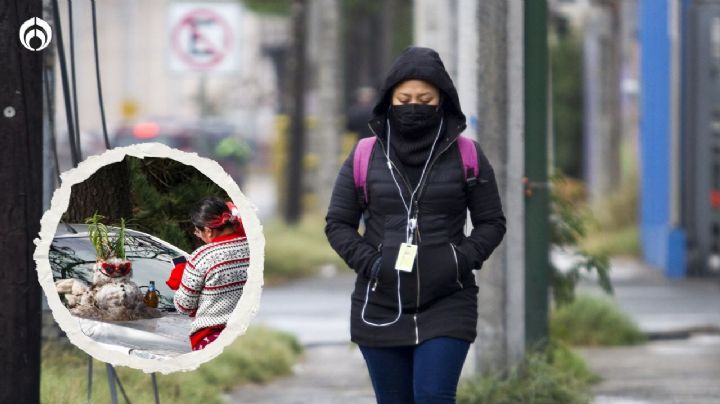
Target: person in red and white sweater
(209, 285)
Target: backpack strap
(361, 162)
(468, 155)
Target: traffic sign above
(204, 37)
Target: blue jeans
(422, 374)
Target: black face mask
(413, 118)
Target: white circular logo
(35, 34)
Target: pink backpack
(363, 151)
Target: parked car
(174, 134)
(72, 255)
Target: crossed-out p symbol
(35, 34)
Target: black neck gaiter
(414, 128)
(412, 143)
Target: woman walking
(414, 306)
(210, 285)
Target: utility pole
(537, 234)
(329, 100)
(602, 52)
(21, 142)
(501, 333)
(296, 140)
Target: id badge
(406, 257)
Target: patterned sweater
(213, 281)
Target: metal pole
(90, 378)
(202, 97)
(537, 234)
(120, 385)
(296, 141)
(156, 393)
(111, 383)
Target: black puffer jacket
(439, 297)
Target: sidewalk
(316, 311)
(327, 374)
(681, 363)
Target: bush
(593, 321)
(258, 356)
(293, 252)
(557, 375)
(620, 208)
(569, 222)
(615, 231)
(620, 242)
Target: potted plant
(110, 252)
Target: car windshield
(74, 257)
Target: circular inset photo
(151, 258)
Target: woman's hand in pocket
(463, 263)
(373, 271)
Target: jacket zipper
(417, 231)
(417, 295)
(457, 266)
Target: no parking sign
(204, 37)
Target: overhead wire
(51, 125)
(70, 117)
(73, 80)
(97, 76)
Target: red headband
(233, 216)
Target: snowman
(112, 296)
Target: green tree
(163, 192)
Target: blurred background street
(600, 118)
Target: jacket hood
(420, 64)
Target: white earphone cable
(409, 226)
